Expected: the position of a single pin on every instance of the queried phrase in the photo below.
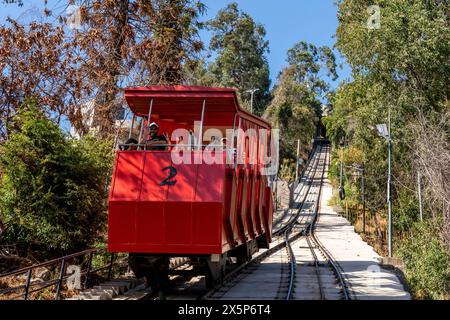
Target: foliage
(400, 69)
(402, 66)
(408, 53)
(53, 190)
(307, 61)
(146, 43)
(287, 170)
(19, 2)
(295, 108)
(33, 63)
(118, 44)
(426, 262)
(238, 41)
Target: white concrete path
(368, 280)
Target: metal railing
(60, 267)
(168, 146)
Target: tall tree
(147, 42)
(308, 61)
(296, 105)
(116, 44)
(401, 65)
(35, 61)
(240, 45)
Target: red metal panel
(173, 249)
(150, 223)
(207, 223)
(113, 179)
(186, 178)
(178, 223)
(210, 183)
(128, 175)
(155, 162)
(247, 211)
(182, 102)
(228, 236)
(234, 199)
(121, 222)
(255, 205)
(268, 213)
(239, 223)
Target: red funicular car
(212, 214)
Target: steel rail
(306, 175)
(310, 231)
(316, 265)
(290, 226)
(294, 219)
(292, 265)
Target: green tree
(240, 45)
(53, 190)
(293, 111)
(296, 105)
(403, 67)
(308, 61)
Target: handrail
(172, 145)
(50, 262)
(28, 287)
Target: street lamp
(384, 131)
(252, 92)
(341, 187)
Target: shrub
(426, 262)
(53, 190)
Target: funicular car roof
(184, 104)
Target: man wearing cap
(155, 141)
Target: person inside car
(155, 141)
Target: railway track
(286, 270)
(295, 267)
(300, 197)
(266, 263)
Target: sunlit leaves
(241, 62)
(52, 189)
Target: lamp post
(298, 160)
(341, 187)
(252, 92)
(363, 191)
(385, 132)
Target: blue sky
(286, 22)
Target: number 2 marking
(172, 174)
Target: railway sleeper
(108, 290)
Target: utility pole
(298, 160)
(419, 187)
(341, 187)
(276, 192)
(363, 200)
(385, 132)
(389, 195)
(252, 92)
